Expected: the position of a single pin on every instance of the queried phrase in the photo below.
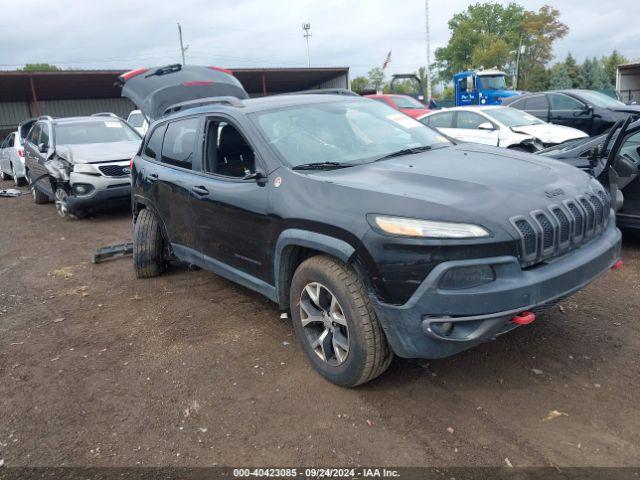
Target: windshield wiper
(404, 151)
(321, 166)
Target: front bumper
(482, 313)
(105, 190)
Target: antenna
(306, 27)
(183, 49)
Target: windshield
(511, 117)
(406, 102)
(106, 131)
(351, 132)
(136, 119)
(600, 99)
(492, 82)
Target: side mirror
(43, 147)
(485, 126)
(258, 176)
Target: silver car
(12, 159)
(80, 162)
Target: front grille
(545, 234)
(114, 170)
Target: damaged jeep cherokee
(80, 162)
(376, 233)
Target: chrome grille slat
(546, 233)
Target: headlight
(410, 227)
(85, 168)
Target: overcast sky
(268, 33)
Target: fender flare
(304, 238)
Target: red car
(404, 103)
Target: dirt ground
(98, 368)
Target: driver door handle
(200, 190)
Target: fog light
(82, 188)
(467, 277)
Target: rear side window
(441, 120)
(154, 146)
(179, 143)
(537, 102)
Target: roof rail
(45, 117)
(201, 102)
(324, 91)
(105, 114)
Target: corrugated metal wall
(341, 81)
(12, 113)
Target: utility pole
(183, 49)
(428, 68)
(520, 51)
(306, 27)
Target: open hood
(153, 90)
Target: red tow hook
(524, 318)
(617, 265)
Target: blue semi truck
(481, 87)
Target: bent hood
(550, 134)
(153, 90)
(98, 152)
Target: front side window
(510, 117)
(44, 136)
(227, 152)
(179, 143)
(631, 148)
(95, 131)
(492, 82)
(34, 133)
(564, 102)
(470, 120)
(347, 132)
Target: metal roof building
(68, 93)
(628, 82)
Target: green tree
(538, 79)
(593, 75)
(539, 32)
(559, 77)
(359, 84)
(483, 35)
(574, 70)
(611, 63)
(39, 67)
(376, 78)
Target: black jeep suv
(377, 234)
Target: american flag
(387, 60)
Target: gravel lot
(98, 368)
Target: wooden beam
(34, 98)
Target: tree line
(517, 41)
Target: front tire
(336, 324)
(61, 198)
(149, 246)
(39, 198)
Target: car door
(230, 208)
(38, 153)
(569, 111)
(467, 128)
(167, 177)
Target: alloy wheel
(61, 202)
(324, 323)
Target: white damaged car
(500, 126)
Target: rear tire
(149, 259)
(341, 317)
(19, 181)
